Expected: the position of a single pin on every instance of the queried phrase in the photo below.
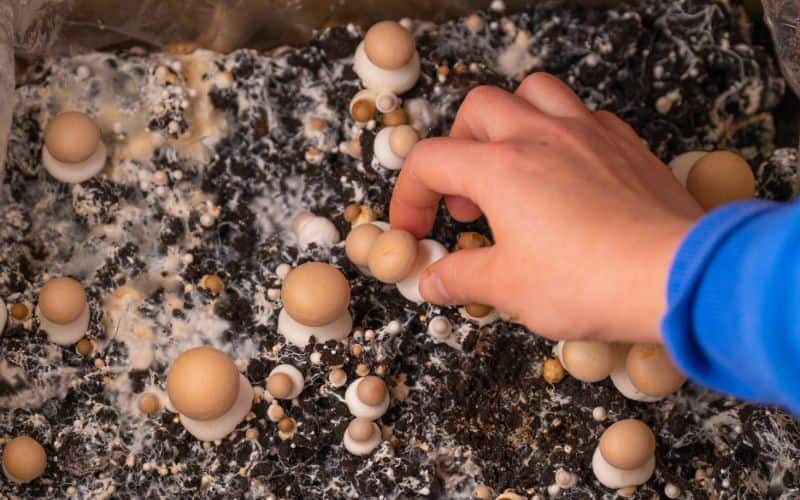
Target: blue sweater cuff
(688, 267)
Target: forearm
(733, 321)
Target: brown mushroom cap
(24, 458)
(402, 139)
(315, 293)
(588, 360)
(393, 255)
(71, 137)
(62, 300)
(359, 243)
(286, 425)
(395, 117)
(371, 390)
(478, 310)
(279, 385)
(360, 429)
(720, 177)
(652, 371)
(628, 444)
(203, 383)
(389, 45)
(148, 403)
(363, 110)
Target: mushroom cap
(363, 110)
(371, 390)
(299, 219)
(148, 403)
(588, 360)
(24, 458)
(315, 294)
(71, 137)
(359, 242)
(279, 385)
(652, 371)
(203, 383)
(628, 444)
(402, 139)
(393, 255)
(395, 118)
(389, 45)
(286, 425)
(360, 429)
(720, 177)
(62, 300)
(478, 310)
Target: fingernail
(432, 288)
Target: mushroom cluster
(73, 150)
(393, 256)
(24, 459)
(642, 372)
(315, 299)
(715, 178)
(625, 456)
(208, 392)
(63, 311)
(367, 398)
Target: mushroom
(73, 151)
(586, 360)
(387, 60)
(358, 244)
(645, 372)
(208, 392)
(395, 118)
(440, 328)
(392, 255)
(63, 312)
(362, 106)
(428, 252)
(310, 228)
(285, 382)
(367, 397)
(715, 178)
(626, 455)
(315, 298)
(24, 459)
(362, 436)
(392, 145)
(148, 403)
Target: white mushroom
(625, 455)
(428, 253)
(63, 311)
(361, 436)
(367, 397)
(387, 60)
(310, 228)
(285, 382)
(392, 145)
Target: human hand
(585, 220)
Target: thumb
(462, 277)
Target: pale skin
(585, 219)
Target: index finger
(436, 167)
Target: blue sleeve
(733, 318)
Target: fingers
(462, 209)
(492, 114)
(551, 96)
(462, 277)
(437, 167)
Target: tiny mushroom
(315, 299)
(285, 382)
(63, 311)
(310, 228)
(626, 455)
(148, 403)
(387, 60)
(393, 144)
(73, 151)
(586, 360)
(361, 436)
(208, 391)
(367, 397)
(392, 255)
(362, 106)
(24, 459)
(439, 327)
